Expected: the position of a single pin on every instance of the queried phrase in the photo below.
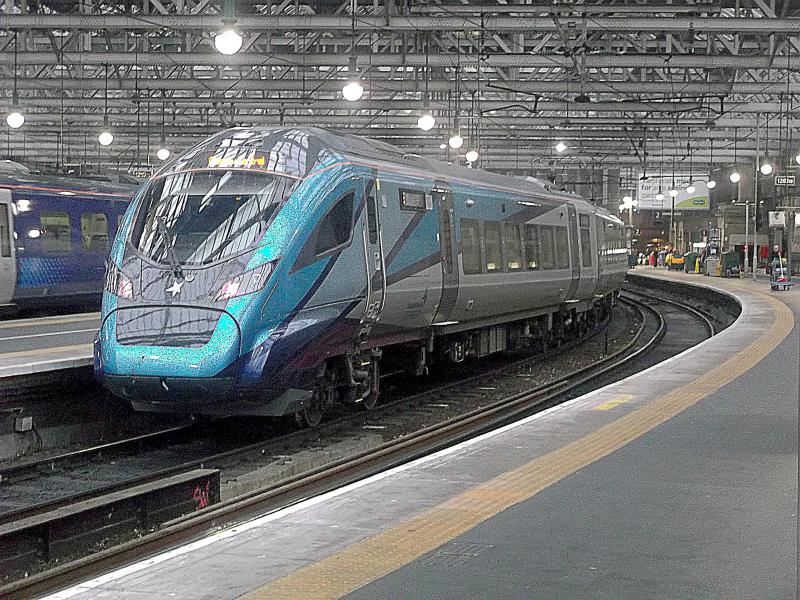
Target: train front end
(188, 279)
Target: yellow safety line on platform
(44, 352)
(50, 321)
(385, 552)
(609, 404)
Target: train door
(373, 253)
(8, 266)
(573, 249)
(447, 236)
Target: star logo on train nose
(175, 288)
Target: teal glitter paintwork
(257, 315)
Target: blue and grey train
(270, 271)
(55, 237)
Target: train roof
(52, 184)
(298, 151)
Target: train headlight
(118, 283)
(248, 282)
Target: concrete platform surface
(677, 482)
(46, 344)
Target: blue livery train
(55, 237)
(271, 271)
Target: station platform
(677, 482)
(38, 345)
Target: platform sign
(777, 218)
(141, 171)
(650, 187)
(784, 179)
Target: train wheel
(370, 400)
(311, 414)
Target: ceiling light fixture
(426, 120)
(163, 152)
(472, 156)
(711, 184)
(106, 137)
(353, 89)
(228, 40)
(15, 118)
(734, 176)
(560, 147)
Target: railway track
(399, 432)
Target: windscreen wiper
(166, 239)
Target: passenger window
(336, 227)
(586, 247)
(532, 247)
(5, 232)
(372, 220)
(494, 252)
(562, 248)
(55, 232)
(513, 247)
(470, 246)
(586, 241)
(413, 200)
(94, 231)
(548, 261)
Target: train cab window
(55, 232)
(5, 232)
(335, 227)
(94, 231)
(562, 248)
(494, 251)
(531, 247)
(513, 247)
(470, 246)
(415, 200)
(547, 257)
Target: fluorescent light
(560, 147)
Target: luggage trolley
(780, 279)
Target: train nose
(169, 341)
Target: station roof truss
(631, 84)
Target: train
(278, 271)
(55, 236)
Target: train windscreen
(201, 217)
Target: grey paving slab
(36, 345)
